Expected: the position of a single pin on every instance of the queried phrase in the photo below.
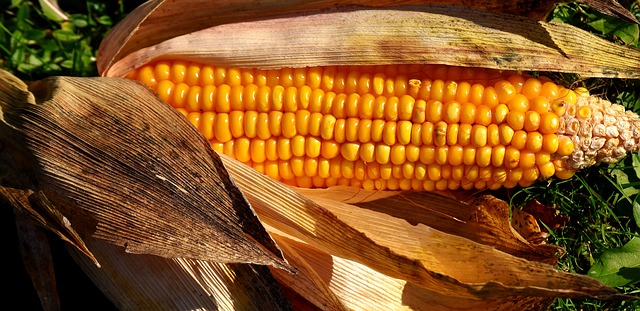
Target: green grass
(598, 201)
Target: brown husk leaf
(109, 159)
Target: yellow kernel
(434, 111)
(519, 140)
(547, 170)
(476, 94)
(484, 115)
(469, 155)
(550, 143)
(367, 152)
(298, 146)
(350, 151)
(534, 141)
(531, 88)
(258, 150)
(383, 152)
(549, 123)
(505, 91)
(165, 91)
(565, 146)
(540, 104)
(527, 159)
(178, 71)
(352, 126)
(518, 102)
(451, 112)
(222, 131)
(493, 135)
(271, 149)
(312, 146)
(398, 154)
(404, 132)
(452, 134)
(391, 109)
(511, 157)
(464, 134)
(207, 119)
(549, 90)
(559, 107)
(497, 155)
(515, 119)
(468, 113)
(427, 154)
(483, 156)
(479, 135)
(581, 91)
(283, 147)
(455, 155)
(405, 107)
(389, 133)
(179, 95)
(530, 174)
(506, 134)
(237, 123)
(490, 97)
(275, 122)
(500, 113)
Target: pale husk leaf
(147, 282)
(359, 287)
(415, 34)
(403, 250)
(157, 21)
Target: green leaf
(52, 10)
(636, 211)
(628, 34)
(66, 35)
(623, 179)
(618, 266)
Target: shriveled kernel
(440, 134)
(584, 112)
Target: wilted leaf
(548, 215)
(619, 266)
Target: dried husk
(139, 178)
(402, 249)
(348, 35)
(147, 282)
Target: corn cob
(420, 127)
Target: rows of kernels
(378, 114)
